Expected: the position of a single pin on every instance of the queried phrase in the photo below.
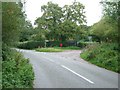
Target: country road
(68, 70)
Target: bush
(31, 44)
(84, 44)
(16, 70)
(104, 55)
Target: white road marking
(71, 71)
(77, 74)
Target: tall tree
(110, 9)
(61, 23)
(107, 28)
(12, 18)
(73, 19)
(50, 19)
(75, 13)
(26, 31)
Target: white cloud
(92, 8)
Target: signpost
(90, 38)
(46, 42)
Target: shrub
(104, 55)
(84, 44)
(16, 70)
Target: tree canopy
(12, 22)
(107, 28)
(61, 23)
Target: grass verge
(57, 49)
(48, 50)
(68, 48)
(104, 55)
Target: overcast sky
(92, 7)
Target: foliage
(83, 44)
(14, 26)
(36, 44)
(104, 55)
(26, 31)
(107, 28)
(50, 19)
(16, 71)
(62, 23)
(31, 44)
(38, 37)
(105, 31)
(110, 9)
(74, 13)
(67, 30)
(12, 19)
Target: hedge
(65, 43)
(36, 44)
(31, 44)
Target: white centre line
(77, 74)
(71, 71)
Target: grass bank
(104, 55)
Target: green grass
(48, 50)
(68, 48)
(104, 55)
(57, 49)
